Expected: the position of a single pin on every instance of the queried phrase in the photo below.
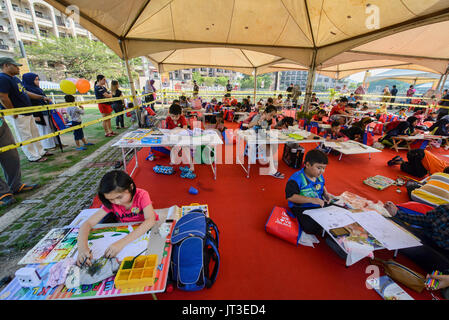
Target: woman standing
(151, 90)
(117, 106)
(386, 95)
(101, 92)
(42, 119)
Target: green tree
(247, 82)
(198, 77)
(221, 81)
(77, 57)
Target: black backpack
(293, 155)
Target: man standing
(228, 89)
(196, 89)
(289, 90)
(445, 104)
(14, 95)
(10, 162)
(394, 93)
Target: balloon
(67, 86)
(83, 86)
(72, 79)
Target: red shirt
(337, 109)
(171, 124)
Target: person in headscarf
(31, 83)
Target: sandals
(278, 175)
(42, 159)
(394, 161)
(27, 187)
(7, 200)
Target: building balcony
(22, 15)
(27, 36)
(81, 31)
(6, 48)
(44, 22)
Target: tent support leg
(310, 81)
(131, 81)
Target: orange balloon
(83, 86)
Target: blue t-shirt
(100, 91)
(304, 187)
(15, 90)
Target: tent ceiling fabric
(290, 29)
(225, 58)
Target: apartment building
(186, 75)
(31, 20)
(300, 78)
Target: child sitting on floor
(319, 116)
(335, 133)
(75, 114)
(305, 190)
(122, 200)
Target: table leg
(124, 159)
(154, 296)
(395, 144)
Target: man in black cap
(14, 95)
(10, 161)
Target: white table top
(275, 136)
(350, 147)
(178, 137)
(420, 137)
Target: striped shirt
(435, 224)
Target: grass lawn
(44, 172)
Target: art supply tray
(137, 274)
(151, 140)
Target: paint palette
(136, 274)
(195, 206)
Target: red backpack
(392, 125)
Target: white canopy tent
(318, 34)
(407, 76)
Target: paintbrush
(85, 259)
(132, 261)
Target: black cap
(8, 60)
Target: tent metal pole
(442, 83)
(255, 86)
(444, 80)
(131, 81)
(439, 81)
(310, 81)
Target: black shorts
(78, 133)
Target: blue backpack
(195, 245)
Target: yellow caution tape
(31, 109)
(57, 133)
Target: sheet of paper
(82, 216)
(386, 232)
(330, 217)
(357, 251)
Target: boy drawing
(305, 190)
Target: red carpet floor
(254, 264)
